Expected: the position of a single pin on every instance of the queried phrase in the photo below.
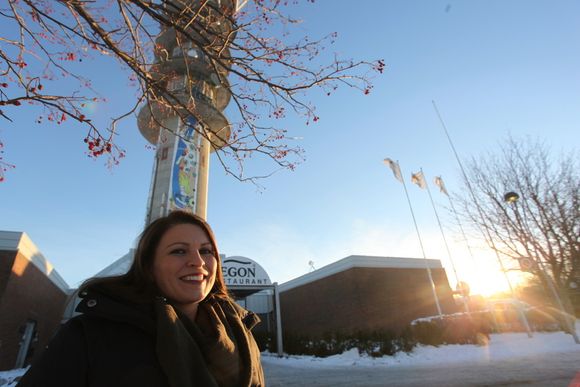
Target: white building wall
(19, 241)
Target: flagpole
(422, 249)
(443, 190)
(484, 222)
(475, 264)
(444, 239)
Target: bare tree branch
(544, 224)
(266, 77)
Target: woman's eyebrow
(177, 243)
(186, 244)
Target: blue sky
(494, 68)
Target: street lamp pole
(512, 198)
(523, 317)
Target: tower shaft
(185, 122)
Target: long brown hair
(140, 275)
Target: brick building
(363, 293)
(32, 300)
(357, 293)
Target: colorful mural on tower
(185, 169)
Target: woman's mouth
(192, 277)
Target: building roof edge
(21, 242)
(361, 261)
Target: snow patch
(500, 347)
(10, 378)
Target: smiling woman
(184, 267)
(168, 322)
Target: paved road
(543, 370)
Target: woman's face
(184, 266)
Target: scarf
(217, 350)
(213, 351)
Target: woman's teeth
(197, 277)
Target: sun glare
(482, 272)
(490, 283)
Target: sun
(483, 272)
(489, 283)
(488, 279)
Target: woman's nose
(194, 259)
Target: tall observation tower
(184, 142)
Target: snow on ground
(501, 346)
(7, 377)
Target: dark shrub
(375, 344)
(451, 329)
(266, 341)
(460, 328)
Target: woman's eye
(206, 251)
(178, 251)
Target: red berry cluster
(3, 165)
(380, 67)
(98, 147)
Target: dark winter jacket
(125, 341)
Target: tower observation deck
(194, 80)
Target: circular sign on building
(243, 271)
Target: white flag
(395, 168)
(439, 183)
(419, 179)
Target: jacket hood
(117, 301)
